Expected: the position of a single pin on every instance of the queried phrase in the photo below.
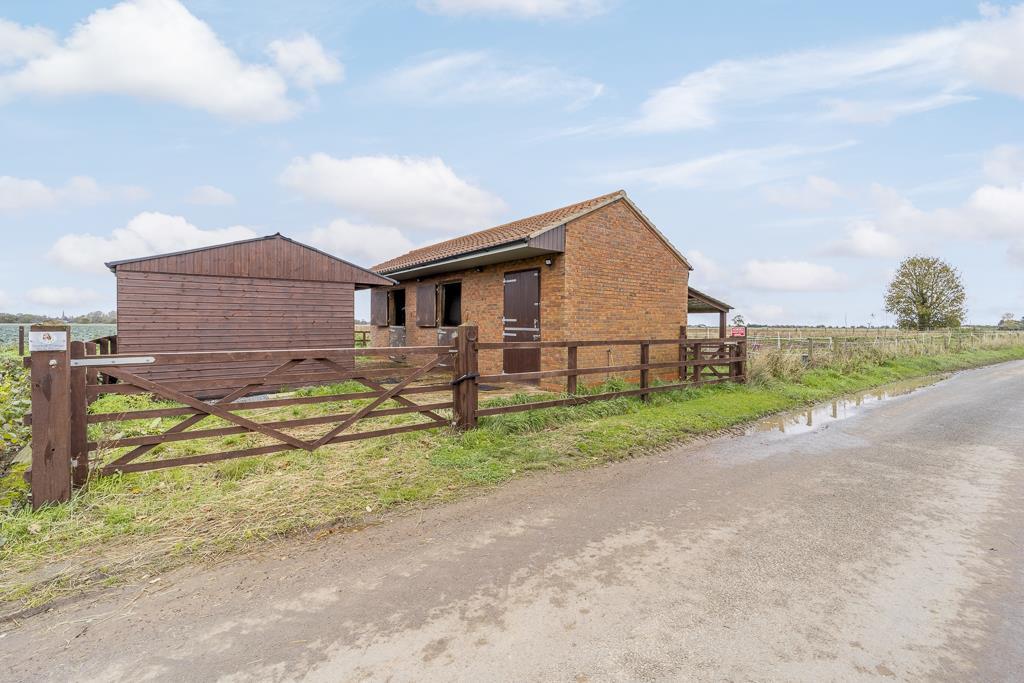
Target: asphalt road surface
(889, 545)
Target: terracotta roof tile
(493, 237)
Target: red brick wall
(616, 280)
(625, 283)
(483, 303)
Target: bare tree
(926, 293)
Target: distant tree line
(96, 317)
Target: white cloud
(1005, 164)
(146, 234)
(814, 194)
(764, 314)
(791, 276)
(25, 193)
(365, 245)
(865, 239)
(526, 9)
(992, 212)
(731, 169)
(935, 68)
(209, 195)
(157, 50)
(304, 61)
(18, 42)
(408, 192)
(59, 297)
(705, 268)
(470, 77)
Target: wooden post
(92, 375)
(571, 364)
(683, 352)
(465, 390)
(51, 417)
(697, 369)
(79, 408)
(721, 324)
(21, 340)
(810, 351)
(645, 373)
(732, 353)
(741, 348)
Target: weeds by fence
(786, 357)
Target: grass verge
(125, 527)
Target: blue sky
(794, 151)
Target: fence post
(571, 364)
(698, 369)
(21, 340)
(51, 414)
(79, 408)
(682, 353)
(741, 352)
(92, 375)
(645, 373)
(465, 391)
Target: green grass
(123, 527)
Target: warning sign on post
(47, 340)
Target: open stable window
(396, 308)
(451, 304)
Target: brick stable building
(598, 269)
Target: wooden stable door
(522, 319)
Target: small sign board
(47, 340)
(738, 332)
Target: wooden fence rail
(447, 378)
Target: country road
(889, 545)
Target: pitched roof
(191, 260)
(509, 232)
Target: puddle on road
(815, 417)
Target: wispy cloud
(26, 193)
(472, 77)
(732, 169)
(813, 194)
(879, 81)
(523, 9)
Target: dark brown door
(522, 319)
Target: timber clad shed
(264, 293)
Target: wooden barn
(597, 269)
(265, 293)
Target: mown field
(124, 527)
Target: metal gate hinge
(459, 380)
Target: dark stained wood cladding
(174, 312)
(553, 239)
(378, 307)
(272, 257)
(426, 305)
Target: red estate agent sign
(738, 332)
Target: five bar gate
(65, 381)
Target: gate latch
(459, 380)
